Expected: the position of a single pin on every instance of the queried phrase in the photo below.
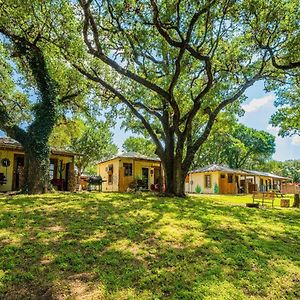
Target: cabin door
(145, 177)
(18, 178)
(125, 176)
(223, 184)
(68, 165)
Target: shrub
(198, 189)
(216, 189)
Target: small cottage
(218, 179)
(61, 167)
(264, 181)
(121, 171)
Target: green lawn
(121, 246)
(241, 199)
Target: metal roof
(221, 168)
(132, 155)
(265, 174)
(225, 169)
(9, 143)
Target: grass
(122, 246)
(242, 199)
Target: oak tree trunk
(174, 177)
(36, 170)
(296, 200)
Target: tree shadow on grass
(115, 246)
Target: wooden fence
(290, 188)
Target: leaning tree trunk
(296, 200)
(36, 170)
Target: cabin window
(52, 168)
(222, 176)
(230, 178)
(110, 168)
(110, 179)
(207, 181)
(127, 169)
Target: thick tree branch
(124, 100)
(212, 116)
(46, 86)
(89, 20)
(8, 125)
(289, 66)
(68, 97)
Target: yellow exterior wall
(264, 178)
(101, 170)
(8, 172)
(65, 159)
(117, 163)
(139, 164)
(199, 179)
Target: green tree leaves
(140, 145)
(90, 138)
(237, 146)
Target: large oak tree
(175, 65)
(35, 86)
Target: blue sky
(258, 109)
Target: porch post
(246, 185)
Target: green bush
(198, 189)
(216, 189)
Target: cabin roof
(11, 144)
(225, 169)
(220, 168)
(132, 155)
(265, 174)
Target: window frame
(53, 172)
(110, 179)
(207, 183)
(128, 166)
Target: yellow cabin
(12, 167)
(121, 171)
(216, 179)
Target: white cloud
(257, 103)
(296, 140)
(273, 129)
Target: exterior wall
(268, 183)
(102, 171)
(9, 172)
(290, 188)
(121, 182)
(229, 186)
(199, 179)
(65, 160)
(195, 179)
(139, 164)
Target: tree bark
(36, 170)
(35, 138)
(296, 200)
(174, 178)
